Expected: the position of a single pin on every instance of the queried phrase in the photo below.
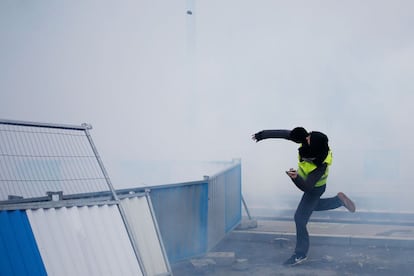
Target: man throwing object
(315, 157)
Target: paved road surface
(336, 249)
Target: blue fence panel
(216, 210)
(194, 217)
(224, 204)
(233, 198)
(19, 254)
(181, 212)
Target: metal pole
(157, 229)
(115, 196)
(98, 158)
(245, 208)
(45, 125)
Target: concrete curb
(325, 239)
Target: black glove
(258, 136)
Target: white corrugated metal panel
(144, 232)
(83, 241)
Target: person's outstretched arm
(271, 133)
(297, 135)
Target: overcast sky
(159, 84)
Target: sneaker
(348, 204)
(295, 259)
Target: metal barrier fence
(39, 161)
(194, 216)
(57, 167)
(224, 205)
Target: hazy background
(161, 86)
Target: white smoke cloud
(159, 84)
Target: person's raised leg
(346, 202)
(335, 202)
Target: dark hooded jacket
(316, 152)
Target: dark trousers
(310, 202)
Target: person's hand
(257, 136)
(292, 173)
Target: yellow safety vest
(306, 167)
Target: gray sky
(158, 84)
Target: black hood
(318, 148)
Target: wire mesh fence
(38, 158)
